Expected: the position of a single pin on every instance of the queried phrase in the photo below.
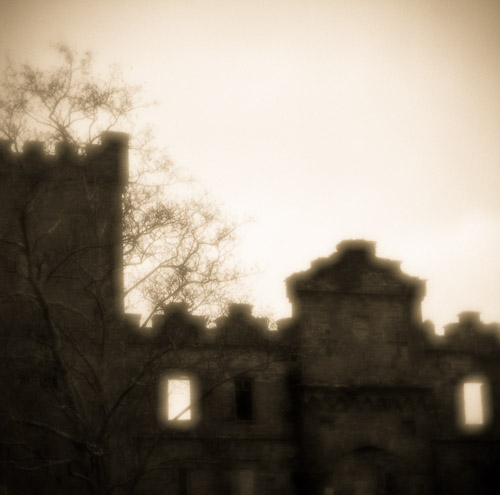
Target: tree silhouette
(177, 246)
(79, 392)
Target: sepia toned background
(321, 120)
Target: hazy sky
(323, 120)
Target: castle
(352, 395)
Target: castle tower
(61, 231)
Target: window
(176, 400)
(243, 399)
(183, 481)
(474, 408)
(179, 399)
(473, 403)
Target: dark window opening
(183, 480)
(243, 399)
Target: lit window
(175, 401)
(243, 399)
(473, 403)
(179, 399)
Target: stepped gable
(353, 268)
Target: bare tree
(76, 415)
(177, 247)
(68, 394)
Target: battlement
(360, 247)
(180, 328)
(107, 161)
(351, 298)
(470, 335)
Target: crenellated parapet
(471, 336)
(241, 328)
(103, 163)
(179, 328)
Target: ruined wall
(219, 446)
(468, 454)
(350, 396)
(381, 407)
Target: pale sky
(322, 120)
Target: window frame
(163, 401)
(486, 403)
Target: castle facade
(352, 395)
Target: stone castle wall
(350, 396)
